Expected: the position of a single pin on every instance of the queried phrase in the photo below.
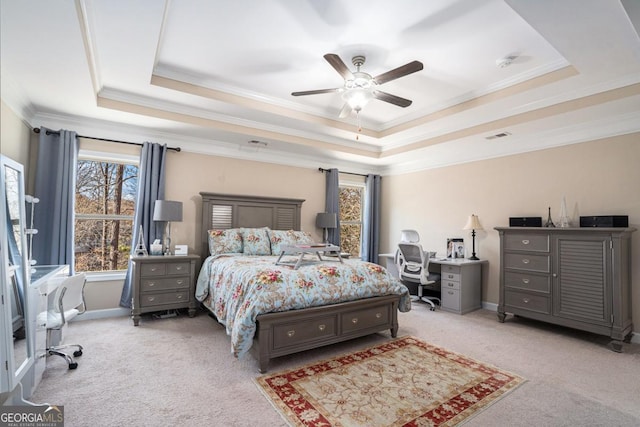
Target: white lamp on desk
(473, 224)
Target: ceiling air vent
(498, 135)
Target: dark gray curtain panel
(55, 187)
(151, 174)
(371, 219)
(332, 203)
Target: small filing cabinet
(163, 282)
(461, 290)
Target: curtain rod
(348, 173)
(53, 132)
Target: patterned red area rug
(402, 382)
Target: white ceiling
(210, 76)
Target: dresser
(574, 277)
(163, 282)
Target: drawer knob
(525, 281)
(151, 298)
(525, 242)
(153, 269)
(525, 261)
(291, 333)
(449, 284)
(450, 292)
(378, 315)
(525, 300)
(179, 268)
(179, 296)
(179, 281)
(151, 284)
(450, 276)
(321, 327)
(354, 320)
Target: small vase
(564, 218)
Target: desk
(461, 281)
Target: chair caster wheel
(432, 309)
(73, 365)
(77, 353)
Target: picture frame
(455, 247)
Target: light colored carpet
(399, 382)
(179, 372)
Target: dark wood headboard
(222, 211)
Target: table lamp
(473, 224)
(167, 211)
(326, 220)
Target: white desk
(461, 281)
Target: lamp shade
(167, 210)
(473, 223)
(326, 220)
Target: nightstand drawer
(153, 269)
(162, 298)
(527, 262)
(178, 268)
(160, 284)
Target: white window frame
(100, 156)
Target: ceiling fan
(360, 87)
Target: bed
(277, 310)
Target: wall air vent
(498, 135)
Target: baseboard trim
(102, 314)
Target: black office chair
(413, 266)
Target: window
(104, 207)
(351, 197)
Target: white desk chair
(413, 266)
(69, 302)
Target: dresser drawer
(301, 332)
(162, 298)
(541, 263)
(526, 242)
(537, 303)
(363, 319)
(449, 284)
(153, 269)
(526, 281)
(159, 284)
(178, 268)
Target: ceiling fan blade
(402, 71)
(392, 99)
(340, 66)
(346, 110)
(316, 92)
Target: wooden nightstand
(165, 282)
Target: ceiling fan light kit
(360, 87)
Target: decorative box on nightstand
(163, 282)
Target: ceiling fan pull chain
(359, 125)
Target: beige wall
(14, 136)
(597, 178)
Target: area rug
(402, 382)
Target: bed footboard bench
(279, 334)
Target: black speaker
(525, 221)
(605, 221)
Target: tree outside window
(104, 209)
(350, 203)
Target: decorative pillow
(280, 238)
(255, 241)
(225, 241)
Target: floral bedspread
(237, 288)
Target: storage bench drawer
(363, 319)
(292, 334)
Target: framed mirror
(16, 332)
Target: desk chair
(413, 266)
(69, 302)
